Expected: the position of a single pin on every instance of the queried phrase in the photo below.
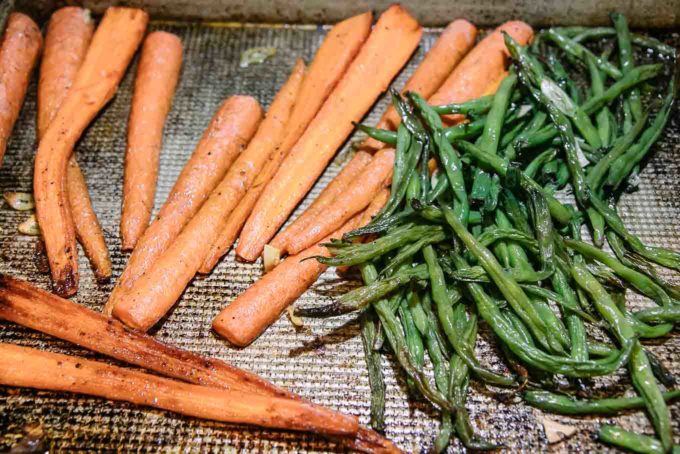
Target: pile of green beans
(489, 239)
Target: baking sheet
(324, 360)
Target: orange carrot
(493, 87)
(337, 51)
(449, 49)
(157, 75)
(387, 49)
(28, 367)
(113, 45)
(229, 131)
(262, 303)
(485, 64)
(154, 293)
(88, 230)
(354, 199)
(336, 187)
(21, 45)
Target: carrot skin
(154, 293)
(491, 89)
(28, 367)
(452, 45)
(355, 198)
(229, 131)
(262, 303)
(387, 49)
(159, 67)
(19, 51)
(113, 45)
(481, 67)
(336, 187)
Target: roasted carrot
(154, 293)
(28, 367)
(336, 187)
(449, 49)
(229, 131)
(483, 66)
(29, 306)
(68, 36)
(88, 230)
(113, 45)
(335, 54)
(157, 75)
(21, 45)
(262, 303)
(354, 199)
(491, 89)
(387, 49)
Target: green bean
(414, 342)
(411, 122)
(440, 187)
(557, 403)
(580, 52)
(375, 376)
(553, 323)
(379, 226)
(602, 117)
(644, 330)
(382, 135)
(410, 250)
(577, 337)
(546, 134)
(587, 33)
(659, 314)
(569, 306)
(630, 440)
(626, 57)
(634, 77)
(464, 130)
(540, 159)
(562, 77)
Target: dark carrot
(154, 293)
(157, 74)
(113, 45)
(229, 131)
(21, 45)
(352, 200)
(449, 49)
(387, 49)
(28, 367)
(336, 52)
(483, 66)
(262, 303)
(336, 187)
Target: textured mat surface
(324, 360)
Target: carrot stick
(113, 45)
(336, 187)
(229, 131)
(157, 75)
(68, 36)
(335, 54)
(28, 367)
(88, 230)
(387, 49)
(154, 293)
(21, 44)
(29, 306)
(449, 49)
(262, 303)
(485, 64)
(491, 89)
(354, 199)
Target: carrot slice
(28, 367)
(21, 45)
(336, 187)
(387, 49)
(154, 293)
(483, 66)
(113, 45)
(262, 303)
(335, 54)
(229, 131)
(157, 75)
(449, 49)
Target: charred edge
(67, 283)
(330, 310)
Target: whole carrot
(262, 303)
(449, 49)
(21, 45)
(157, 75)
(388, 47)
(336, 187)
(354, 199)
(336, 52)
(480, 68)
(113, 45)
(229, 131)
(28, 367)
(154, 293)
(491, 89)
